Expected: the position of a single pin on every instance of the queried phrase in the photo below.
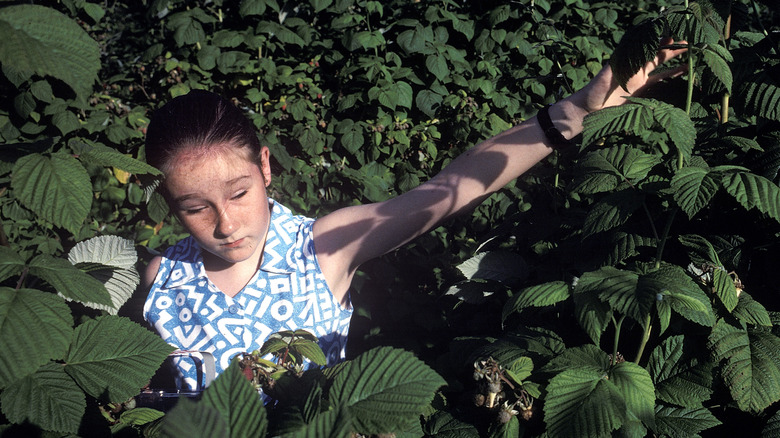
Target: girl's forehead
(210, 170)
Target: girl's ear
(265, 165)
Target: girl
(251, 268)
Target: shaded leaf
(751, 366)
(69, 281)
(56, 188)
(694, 188)
(44, 41)
(48, 398)
(113, 357)
(679, 376)
(683, 422)
(34, 325)
(194, 420)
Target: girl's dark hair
(197, 120)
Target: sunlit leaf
(385, 389)
(583, 402)
(541, 295)
(754, 191)
(237, 402)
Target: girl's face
(220, 197)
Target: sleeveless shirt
(288, 292)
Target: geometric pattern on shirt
(288, 292)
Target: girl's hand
(603, 91)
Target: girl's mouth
(234, 244)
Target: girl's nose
(226, 225)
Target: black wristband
(554, 136)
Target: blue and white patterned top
(288, 292)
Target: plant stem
(645, 338)
(618, 324)
(662, 243)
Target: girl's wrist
(567, 116)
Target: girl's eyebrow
(228, 183)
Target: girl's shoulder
(185, 249)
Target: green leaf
(116, 258)
(520, 369)
(772, 428)
(635, 385)
(10, 263)
(140, 416)
(43, 41)
(237, 402)
(335, 423)
(57, 188)
(637, 47)
(494, 265)
(626, 245)
(677, 124)
(754, 191)
(69, 281)
(679, 376)
(629, 117)
(759, 95)
(66, 122)
(385, 389)
(34, 325)
(587, 356)
(541, 295)
(582, 402)
(112, 357)
(309, 349)
(48, 398)
(428, 102)
(751, 311)
(723, 286)
(751, 366)
(103, 155)
(701, 250)
(437, 64)
(694, 188)
(673, 421)
(619, 289)
(671, 284)
(194, 420)
(612, 211)
(593, 314)
(443, 425)
(718, 64)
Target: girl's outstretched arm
(350, 236)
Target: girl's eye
(239, 195)
(193, 210)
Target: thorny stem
(691, 80)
